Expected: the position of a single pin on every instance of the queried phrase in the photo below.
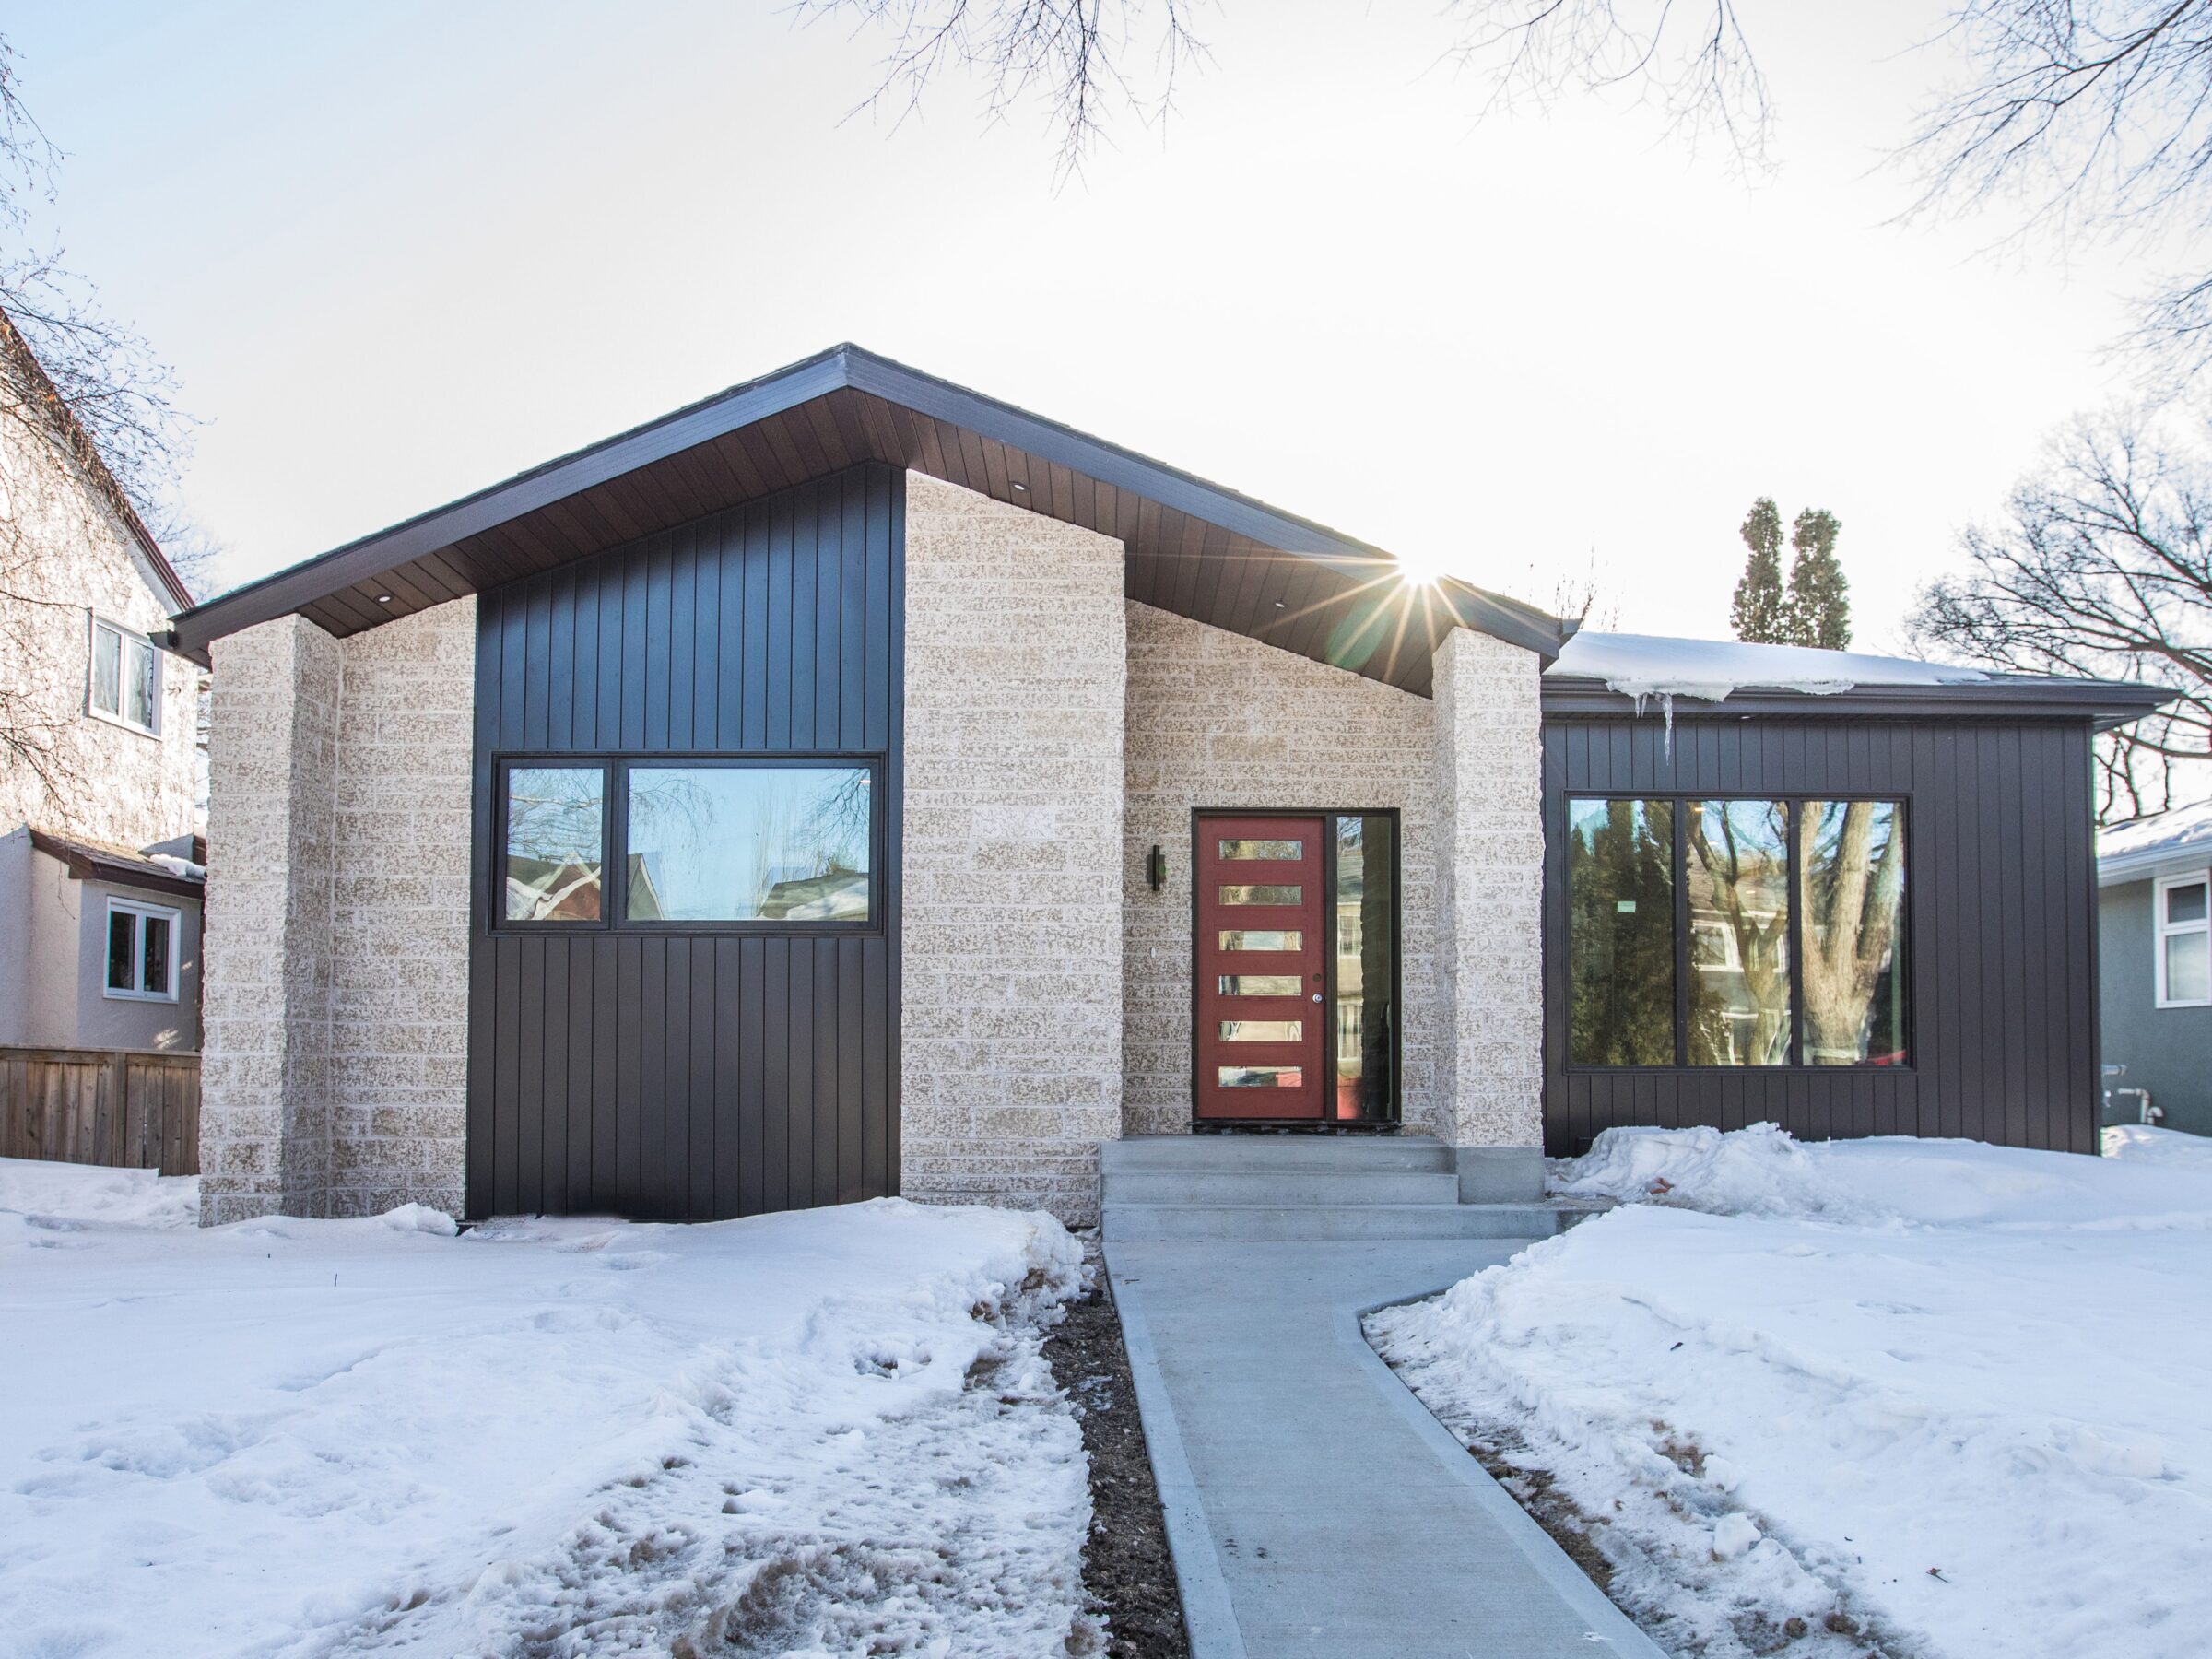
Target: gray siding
(2167, 1050)
(2001, 918)
(723, 1072)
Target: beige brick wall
(1216, 719)
(399, 913)
(1491, 895)
(265, 963)
(1010, 1000)
(336, 952)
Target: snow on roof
(1652, 666)
(2137, 847)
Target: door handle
(1316, 996)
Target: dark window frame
(614, 842)
(1901, 948)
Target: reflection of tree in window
(1852, 858)
(1738, 876)
(553, 853)
(1621, 932)
(749, 843)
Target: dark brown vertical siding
(2001, 897)
(701, 1075)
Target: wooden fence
(135, 1110)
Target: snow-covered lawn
(1955, 1395)
(820, 1433)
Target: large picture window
(698, 843)
(1737, 933)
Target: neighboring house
(100, 890)
(97, 727)
(102, 947)
(851, 784)
(2154, 926)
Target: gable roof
(78, 442)
(1194, 548)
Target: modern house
(2154, 963)
(100, 892)
(851, 784)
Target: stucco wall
(1215, 719)
(2167, 1050)
(1488, 759)
(336, 930)
(1010, 1000)
(60, 541)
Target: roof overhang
(1194, 548)
(2103, 703)
(88, 862)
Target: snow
(2142, 842)
(178, 866)
(1643, 666)
(1953, 1393)
(84, 1192)
(2140, 1143)
(827, 1432)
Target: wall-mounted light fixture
(1156, 869)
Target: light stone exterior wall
(1011, 989)
(1219, 721)
(336, 941)
(1488, 759)
(64, 556)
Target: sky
(399, 253)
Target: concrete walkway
(1314, 1507)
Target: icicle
(1666, 707)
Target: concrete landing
(1316, 1511)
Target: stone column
(1010, 1012)
(265, 1128)
(1490, 899)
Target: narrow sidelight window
(556, 843)
(1621, 884)
(1851, 870)
(127, 677)
(142, 952)
(2184, 942)
(749, 843)
(1366, 906)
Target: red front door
(1260, 966)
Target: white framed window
(126, 678)
(2182, 938)
(142, 951)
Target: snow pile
(66, 1192)
(827, 1432)
(1884, 1179)
(2141, 1144)
(1641, 666)
(178, 866)
(1944, 1397)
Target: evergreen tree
(1817, 611)
(1760, 613)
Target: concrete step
(1293, 1184)
(1237, 1152)
(1231, 1223)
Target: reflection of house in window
(836, 895)
(1712, 946)
(542, 890)
(644, 898)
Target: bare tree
(1075, 55)
(2089, 117)
(88, 412)
(2102, 566)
